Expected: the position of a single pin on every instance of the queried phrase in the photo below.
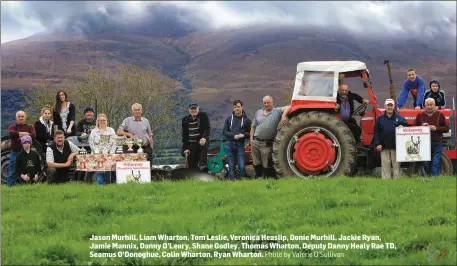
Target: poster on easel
(133, 172)
(413, 144)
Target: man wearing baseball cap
(196, 129)
(28, 163)
(384, 139)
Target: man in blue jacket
(236, 130)
(384, 139)
(414, 85)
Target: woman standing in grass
(95, 139)
(64, 114)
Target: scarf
(47, 125)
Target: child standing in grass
(28, 163)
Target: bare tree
(115, 90)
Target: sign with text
(136, 172)
(413, 144)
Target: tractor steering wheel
(360, 110)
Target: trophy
(129, 143)
(105, 143)
(120, 140)
(96, 147)
(139, 143)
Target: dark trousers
(57, 176)
(355, 129)
(198, 156)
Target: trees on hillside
(114, 91)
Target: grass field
(52, 224)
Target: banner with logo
(413, 144)
(135, 172)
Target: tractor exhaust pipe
(392, 89)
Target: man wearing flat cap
(195, 137)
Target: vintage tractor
(317, 142)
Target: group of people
(430, 100)
(58, 122)
(237, 129)
(51, 130)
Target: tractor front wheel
(312, 144)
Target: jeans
(434, 166)
(235, 154)
(103, 177)
(11, 179)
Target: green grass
(51, 224)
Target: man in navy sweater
(414, 85)
(236, 130)
(384, 139)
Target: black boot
(270, 172)
(258, 171)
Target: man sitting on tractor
(414, 85)
(345, 105)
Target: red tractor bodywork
(367, 121)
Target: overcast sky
(425, 19)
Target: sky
(433, 20)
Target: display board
(413, 144)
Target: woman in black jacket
(43, 128)
(64, 114)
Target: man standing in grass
(138, 127)
(85, 125)
(236, 130)
(384, 139)
(262, 135)
(437, 124)
(196, 129)
(16, 132)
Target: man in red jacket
(437, 124)
(16, 132)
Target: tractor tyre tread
(314, 118)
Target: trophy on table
(96, 147)
(129, 143)
(139, 143)
(120, 140)
(105, 143)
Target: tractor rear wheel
(446, 167)
(314, 143)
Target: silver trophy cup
(120, 141)
(105, 139)
(139, 143)
(129, 143)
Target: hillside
(225, 65)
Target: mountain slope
(225, 65)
